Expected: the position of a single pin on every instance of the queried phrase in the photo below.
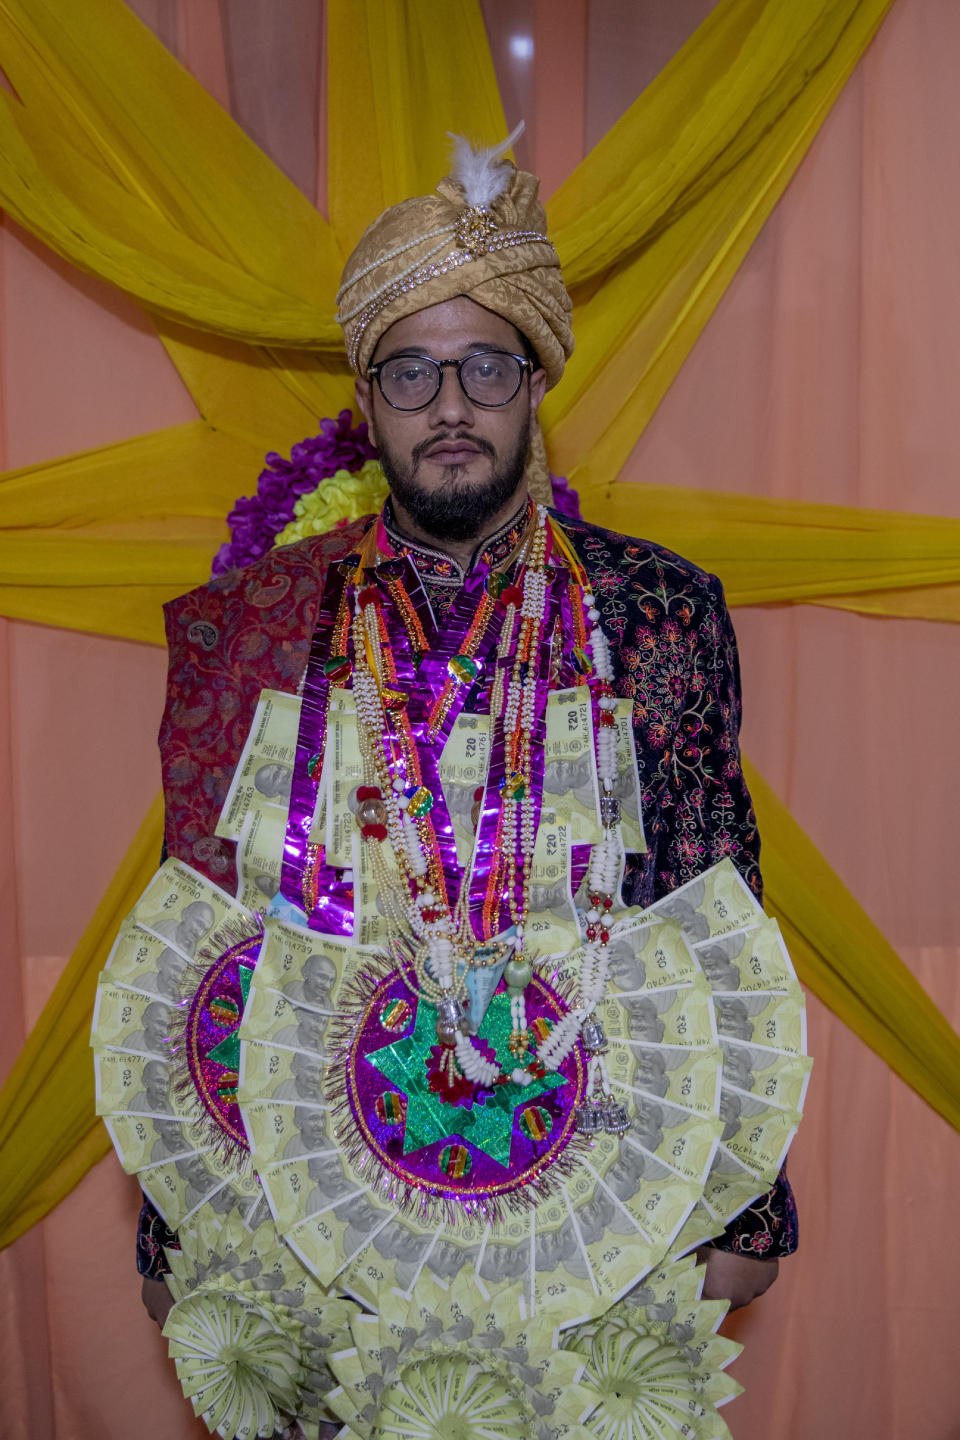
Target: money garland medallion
(166, 1047)
(483, 1148)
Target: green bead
(517, 974)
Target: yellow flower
(343, 496)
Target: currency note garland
(446, 921)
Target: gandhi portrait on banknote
(155, 1095)
(733, 1018)
(153, 1038)
(565, 777)
(187, 929)
(630, 1167)
(555, 1247)
(647, 1123)
(504, 1262)
(274, 782)
(170, 1140)
(445, 1259)
(305, 1082)
(682, 907)
(716, 961)
(731, 1112)
(316, 987)
(362, 1219)
(197, 1178)
(405, 1248)
(643, 1021)
(627, 970)
(330, 1180)
(306, 1034)
(312, 1136)
(651, 1073)
(550, 899)
(737, 1067)
(267, 885)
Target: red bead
(604, 936)
(369, 792)
(513, 595)
(374, 832)
(607, 717)
(595, 900)
(591, 932)
(608, 902)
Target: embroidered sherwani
(674, 654)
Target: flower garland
(330, 479)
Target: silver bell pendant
(589, 1119)
(615, 1118)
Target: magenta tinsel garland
(257, 520)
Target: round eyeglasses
(488, 377)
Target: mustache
(477, 441)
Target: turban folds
(482, 235)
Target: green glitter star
(228, 1051)
(488, 1126)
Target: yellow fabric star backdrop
(112, 155)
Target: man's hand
(737, 1278)
(157, 1299)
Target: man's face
(274, 781)
(306, 1072)
(194, 1171)
(156, 1024)
(319, 974)
(171, 968)
(313, 1130)
(156, 1085)
(454, 464)
(326, 1171)
(733, 1020)
(194, 924)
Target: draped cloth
(220, 248)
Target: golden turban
(482, 235)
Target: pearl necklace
(424, 930)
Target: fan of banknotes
(449, 1362)
(706, 1036)
(251, 1330)
(167, 1049)
(654, 1362)
(736, 963)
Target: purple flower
(257, 520)
(565, 499)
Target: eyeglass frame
(527, 367)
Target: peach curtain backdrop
(826, 374)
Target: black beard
(457, 512)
